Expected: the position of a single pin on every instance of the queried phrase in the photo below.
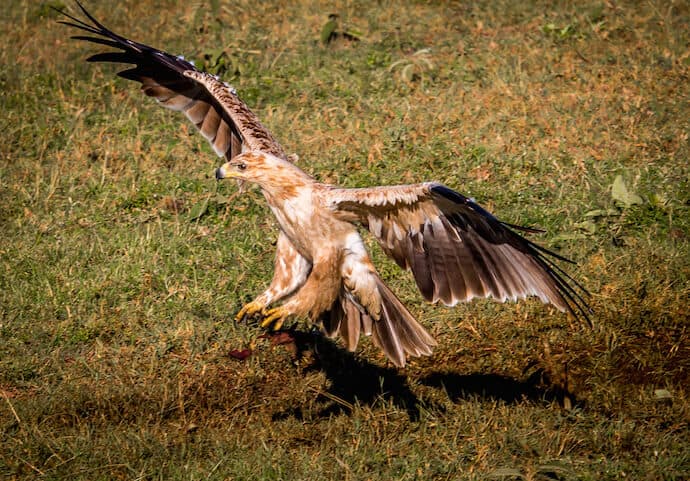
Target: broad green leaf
(221, 199)
(505, 473)
(621, 194)
(329, 28)
(198, 210)
(588, 226)
(602, 213)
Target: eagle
(455, 249)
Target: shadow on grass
(353, 381)
(536, 388)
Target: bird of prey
(455, 249)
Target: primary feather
(210, 104)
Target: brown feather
(351, 328)
(397, 332)
(455, 249)
(211, 105)
(209, 127)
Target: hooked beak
(223, 172)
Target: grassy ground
(123, 262)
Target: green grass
(116, 298)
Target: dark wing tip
(458, 198)
(448, 193)
(137, 53)
(524, 228)
(571, 291)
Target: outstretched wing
(211, 104)
(456, 249)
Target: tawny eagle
(455, 249)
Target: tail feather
(396, 332)
(399, 333)
(348, 319)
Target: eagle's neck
(285, 183)
(278, 196)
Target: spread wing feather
(209, 103)
(457, 250)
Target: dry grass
(115, 333)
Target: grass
(123, 262)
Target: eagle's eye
(242, 166)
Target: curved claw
(249, 310)
(275, 317)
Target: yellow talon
(249, 309)
(275, 318)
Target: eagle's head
(249, 166)
(261, 168)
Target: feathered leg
(369, 305)
(316, 296)
(291, 271)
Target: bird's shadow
(355, 381)
(536, 388)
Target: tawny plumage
(455, 249)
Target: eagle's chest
(297, 216)
(309, 226)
